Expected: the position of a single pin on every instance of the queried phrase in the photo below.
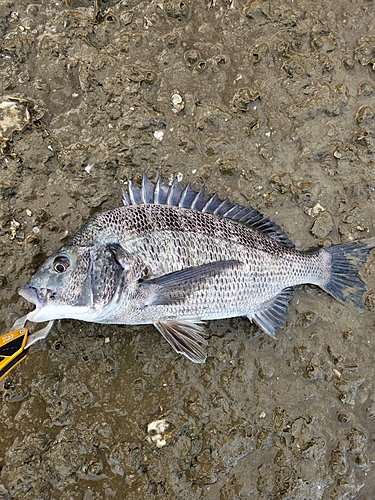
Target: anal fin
(273, 316)
(185, 338)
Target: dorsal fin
(162, 193)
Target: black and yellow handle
(12, 350)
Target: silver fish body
(174, 257)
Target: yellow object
(12, 350)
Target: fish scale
(175, 257)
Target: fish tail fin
(342, 265)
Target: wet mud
(269, 103)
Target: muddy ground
(269, 103)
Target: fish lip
(37, 296)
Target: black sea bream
(174, 257)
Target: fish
(174, 257)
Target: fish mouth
(37, 296)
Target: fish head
(77, 282)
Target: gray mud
(269, 103)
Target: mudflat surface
(269, 103)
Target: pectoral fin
(173, 288)
(185, 338)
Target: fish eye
(61, 263)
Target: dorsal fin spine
(162, 193)
(174, 193)
(223, 207)
(200, 199)
(125, 197)
(212, 204)
(148, 189)
(233, 211)
(187, 197)
(134, 193)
